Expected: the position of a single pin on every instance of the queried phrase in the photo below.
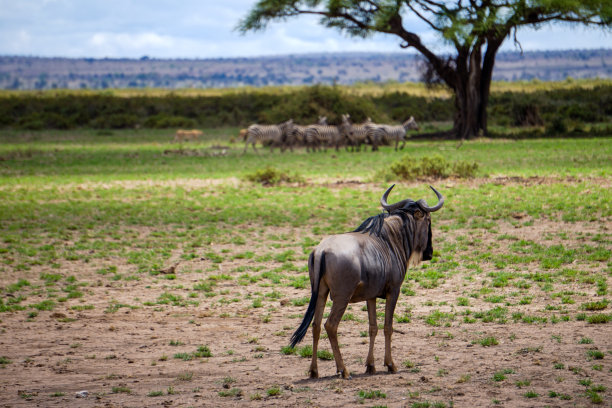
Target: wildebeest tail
(319, 270)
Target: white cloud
(129, 40)
(205, 28)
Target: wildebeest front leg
(389, 310)
(331, 326)
(373, 331)
(316, 328)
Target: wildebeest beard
(375, 226)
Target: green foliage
(371, 394)
(325, 355)
(501, 375)
(203, 351)
(44, 305)
(464, 26)
(234, 392)
(436, 166)
(558, 109)
(488, 341)
(270, 176)
(599, 318)
(274, 391)
(597, 305)
(288, 350)
(595, 355)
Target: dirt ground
(127, 356)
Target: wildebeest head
(421, 245)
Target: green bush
(103, 110)
(163, 121)
(557, 126)
(271, 176)
(115, 121)
(464, 169)
(409, 168)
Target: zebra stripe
(327, 135)
(298, 135)
(355, 134)
(272, 134)
(379, 134)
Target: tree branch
(422, 17)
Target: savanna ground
(152, 274)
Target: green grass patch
(371, 394)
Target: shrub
(409, 168)
(598, 305)
(271, 176)
(163, 121)
(557, 126)
(115, 121)
(599, 318)
(464, 169)
(526, 114)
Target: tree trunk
(468, 97)
(470, 80)
(485, 82)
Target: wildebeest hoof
(314, 373)
(344, 374)
(392, 368)
(370, 369)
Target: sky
(206, 29)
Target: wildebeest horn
(423, 205)
(392, 207)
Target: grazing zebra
(385, 134)
(326, 135)
(354, 135)
(271, 134)
(298, 135)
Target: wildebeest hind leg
(331, 326)
(316, 327)
(370, 369)
(389, 310)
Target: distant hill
(342, 68)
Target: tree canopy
(474, 28)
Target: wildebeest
(363, 265)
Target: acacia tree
(475, 28)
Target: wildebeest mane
(375, 226)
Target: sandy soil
(126, 357)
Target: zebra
(385, 134)
(272, 134)
(354, 135)
(298, 135)
(326, 135)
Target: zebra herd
(321, 135)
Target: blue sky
(205, 29)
